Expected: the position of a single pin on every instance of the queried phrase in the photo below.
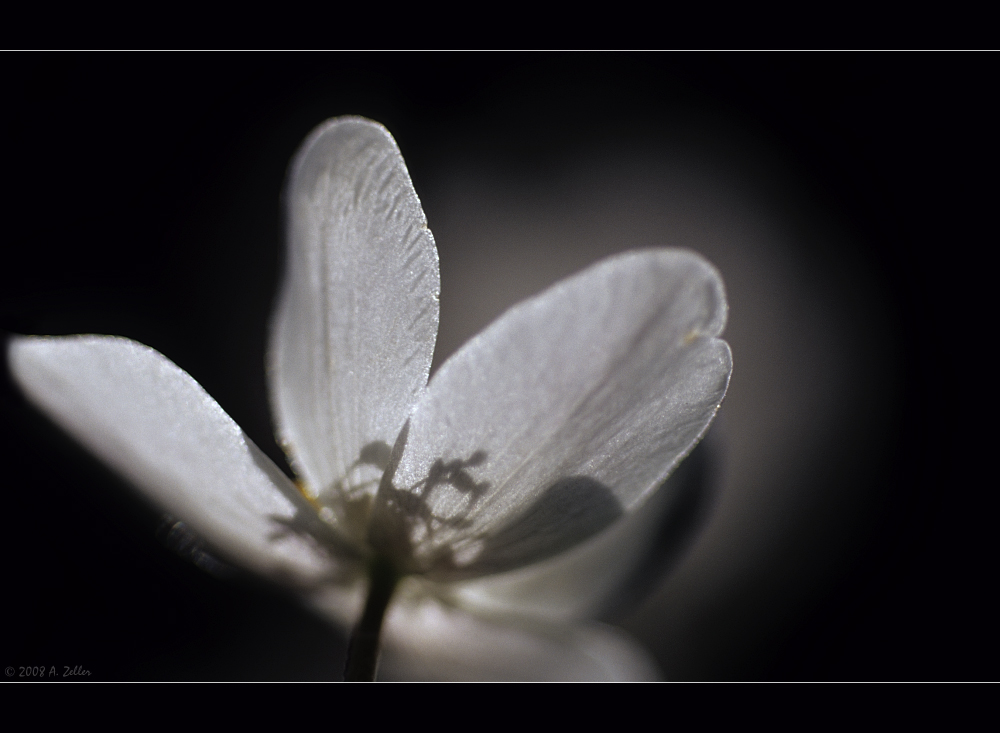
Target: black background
(140, 198)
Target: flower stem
(363, 649)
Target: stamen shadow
(564, 514)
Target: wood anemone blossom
(483, 515)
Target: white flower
(511, 493)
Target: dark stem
(363, 649)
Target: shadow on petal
(565, 514)
(687, 497)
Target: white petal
(154, 424)
(560, 417)
(426, 640)
(578, 583)
(357, 318)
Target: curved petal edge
(561, 417)
(357, 315)
(155, 425)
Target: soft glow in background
(841, 537)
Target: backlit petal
(581, 582)
(560, 417)
(354, 331)
(155, 425)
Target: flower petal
(427, 640)
(158, 427)
(580, 582)
(354, 331)
(559, 418)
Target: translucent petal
(578, 583)
(427, 640)
(354, 331)
(154, 424)
(559, 418)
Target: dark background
(140, 198)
